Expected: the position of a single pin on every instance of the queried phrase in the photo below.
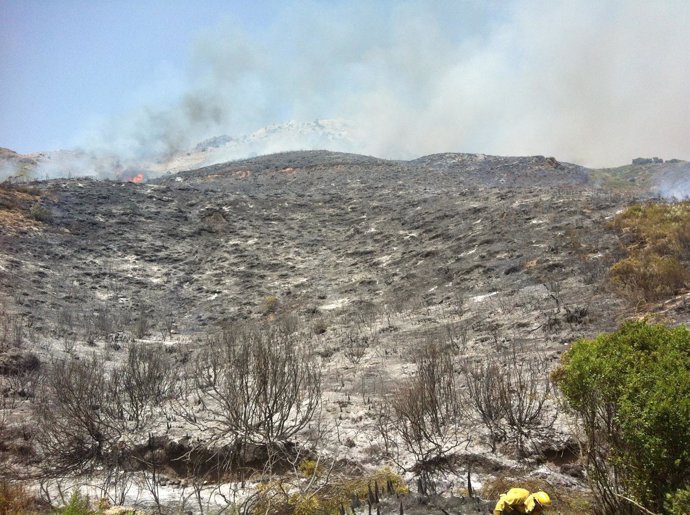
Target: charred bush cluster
(436, 412)
(248, 391)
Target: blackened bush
(82, 409)
(511, 398)
(76, 423)
(144, 382)
(426, 412)
(255, 385)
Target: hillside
(313, 229)
(364, 261)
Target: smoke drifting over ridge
(595, 83)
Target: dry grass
(16, 500)
(657, 239)
(285, 498)
(13, 196)
(15, 208)
(15, 221)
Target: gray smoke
(8, 169)
(675, 182)
(592, 82)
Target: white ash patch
(481, 298)
(336, 304)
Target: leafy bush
(310, 468)
(631, 392)
(678, 503)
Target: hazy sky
(595, 82)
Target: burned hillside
(371, 272)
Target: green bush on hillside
(78, 504)
(631, 392)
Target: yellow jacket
(517, 500)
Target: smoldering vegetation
(306, 331)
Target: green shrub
(40, 213)
(309, 468)
(631, 392)
(678, 503)
(77, 505)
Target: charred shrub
(511, 398)
(146, 380)
(483, 395)
(254, 385)
(76, 417)
(425, 413)
(82, 410)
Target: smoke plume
(595, 82)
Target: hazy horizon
(595, 83)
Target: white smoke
(593, 82)
(8, 169)
(674, 181)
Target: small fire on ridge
(136, 179)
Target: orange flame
(136, 179)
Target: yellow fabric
(519, 500)
(514, 499)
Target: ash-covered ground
(321, 232)
(367, 259)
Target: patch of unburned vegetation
(657, 240)
(20, 208)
